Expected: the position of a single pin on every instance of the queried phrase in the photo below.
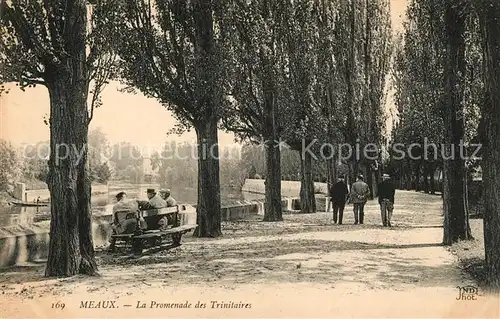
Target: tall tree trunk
(455, 218)
(425, 176)
(84, 190)
(490, 17)
(335, 172)
(417, 176)
(64, 245)
(273, 208)
(432, 181)
(350, 69)
(209, 202)
(369, 180)
(329, 173)
(71, 248)
(376, 180)
(307, 199)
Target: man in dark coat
(386, 192)
(338, 194)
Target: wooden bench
(120, 241)
(152, 237)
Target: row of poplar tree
(284, 70)
(446, 72)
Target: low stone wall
(242, 210)
(293, 204)
(291, 191)
(288, 188)
(20, 244)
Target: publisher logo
(467, 293)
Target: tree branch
(26, 35)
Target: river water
(100, 201)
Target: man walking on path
(358, 197)
(386, 191)
(338, 194)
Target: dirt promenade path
(305, 267)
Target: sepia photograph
(249, 159)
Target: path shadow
(292, 261)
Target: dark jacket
(386, 190)
(338, 192)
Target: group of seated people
(130, 208)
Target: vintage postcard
(249, 159)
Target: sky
(123, 116)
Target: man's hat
(120, 195)
(164, 190)
(361, 176)
(151, 191)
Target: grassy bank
(470, 253)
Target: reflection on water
(17, 215)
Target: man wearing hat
(358, 197)
(165, 194)
(155, 201)
(125, 215)
(386, 191)
(338, 194)
(171, 202)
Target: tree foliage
(9, 165)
